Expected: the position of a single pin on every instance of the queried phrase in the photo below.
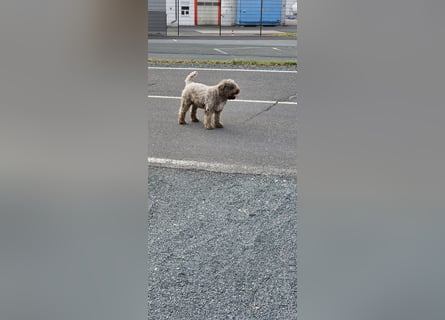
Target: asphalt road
(258, 131)
(223, 49)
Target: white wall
(288, 9)
(184, 19)
(228, 12)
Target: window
(185, 10)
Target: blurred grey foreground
(72, 164)
(221, 245)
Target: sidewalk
(289, 27)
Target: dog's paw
(219, 125)
(195, 120)
(182, 122)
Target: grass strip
(286, 34)
(226, 62)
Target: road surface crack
(262, 111)
(293, 97)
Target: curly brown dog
(210, 98)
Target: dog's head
(228, 89)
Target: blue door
(249, 12)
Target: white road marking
(243, 48)
(163, 97)
(219, 167)
(276, 49)
(235, 100)
(222, 69)
(265, 101)
(220, 51)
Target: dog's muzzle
(234, 95)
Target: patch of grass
(226, 62)
(285, 34)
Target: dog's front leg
(208, 119)
(218, 123)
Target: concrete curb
(220, 167)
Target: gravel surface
(221, 246)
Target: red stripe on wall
(219, 12)
(196, 12)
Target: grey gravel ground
(221, 246)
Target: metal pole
(220, 17)
(261, 18)
(178, 13)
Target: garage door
(208, 12)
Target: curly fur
(210, 98)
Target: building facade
(225, 12)
(157, 17)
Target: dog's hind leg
(193, 114)
(182, 111)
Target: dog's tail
(190, 77)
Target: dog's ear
(221, 88)
(224, 88)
